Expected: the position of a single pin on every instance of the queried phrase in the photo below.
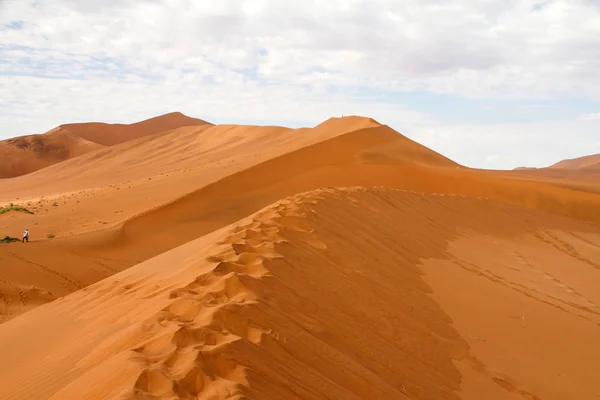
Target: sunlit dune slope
(137, 176)
(25, 154)
(591, 162)
(129, 223)
(111, 134)
(375, 156)
(581, 173)
(330, 295)
(586, 162)
(206, 149)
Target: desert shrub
(12, 207)
(8, 239)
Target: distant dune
(111, 134)
(581, 173)
(587, 162)
(26, 154)
(524, 168)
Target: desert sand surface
(111, 134)
(340, 261)
(82, 203)
(126, 204)
(336, 293)
(25, 154)
(582, 173)
(585, 162)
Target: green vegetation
(50, 236)
(12, 207)
(8, 239)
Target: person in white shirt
(26, 236)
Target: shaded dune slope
(319, 296)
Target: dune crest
(111, 134)
(586, 162)
(138, 208)
(325, 294)
(26, 154)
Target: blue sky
(490, 84)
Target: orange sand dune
(25, 154)
(125, 180)
(581, 173)
(99, 190)
(201, 148)
(126, 223)
(580, 163)
(332, 294)
(111, 134)
(368, 157)
(586, 162)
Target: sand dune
(586, 162)
(237, 171)
(200, 148)
(111, 134)
(25, 154)
(99, 190)
(125, 180)
(579, 163)
(332, 294)
(581, 173)
(343, 261)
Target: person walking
(26, 235)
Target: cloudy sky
(489, 83)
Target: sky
(490, 84)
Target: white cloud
(513, 48)
(591, 117)
(294, 62)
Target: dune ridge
(101, 232)
(26, 154)
(325, 294)
(111, 134)
(135, 181)
(581, 173)
(585, 162)
(189, 147)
